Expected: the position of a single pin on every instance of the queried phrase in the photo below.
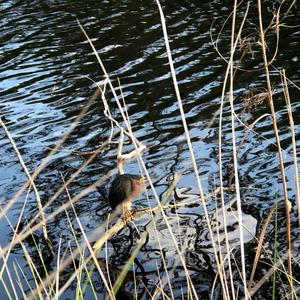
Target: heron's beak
(143, 179)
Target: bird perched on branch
(123, 190)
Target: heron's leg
(127, 215)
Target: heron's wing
(119, 191)
(102, 192)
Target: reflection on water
(48, 75)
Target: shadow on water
(47, 76)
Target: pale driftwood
(119, 155)
(276, 133)
(121, 223)
(138, 213)
(133, 153)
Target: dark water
(48, 72)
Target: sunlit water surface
(49, 74)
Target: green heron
(123, 190)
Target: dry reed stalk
(120, 161)
(16, 266)
(178, 96)
(5, 258)
(51, 278)
(292, 126)
(271, 104)
(68, 261)
(92, 253)
(222, 259)
(31, 181)
(228, 71)
(120, 147)
(28, 229)
(106, 258)
(224, 23)
(57, 273)
(47, 158)
(51, 216)
(36, 275)
(267, 275)
(260, 244)
(122, 158)
(82, 256)
(234, 151)
(68, 182)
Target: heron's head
(136, 185)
